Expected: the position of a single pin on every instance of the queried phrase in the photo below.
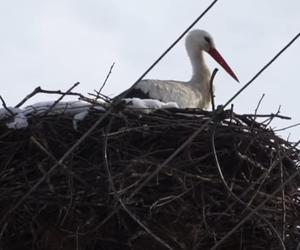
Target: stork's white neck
(201, 76)
(201, 73)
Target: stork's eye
(207, 39)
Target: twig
(283, 202)
(288, 127)
(5, 107)
(270, 119)
(3, 230)
(272, 115)
(33, 93)
(106, 78)
(256, 110)
(39, 90)
(211, 84)
(60, 98)
(258, 105)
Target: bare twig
(211, 84)
(283, 232)
(106, 78)
(39, 90)
(60, 98)
(33, 93)
(5, 107)
(258, 105)
(288, 127)
(269, 116)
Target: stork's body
(194, 93)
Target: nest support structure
(102, 197)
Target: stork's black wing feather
(133, 92)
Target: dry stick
(288, 127)
(60, 98)
(297, 172)
(211, 89)
(104, 116)
(106, 78)
(117, 196)
(33, 93)
(258, 105)
(272, 115)
(247, 206)
(283, 202)
(5, 107)
(267, 122)
(3, 230)
(256, 110)
(39, 90)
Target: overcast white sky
(55, 43)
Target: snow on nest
(18, 118)
(148, 105)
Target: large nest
(234, 184)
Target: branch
(107, 76)
(61, 97)
(5, 107)
(211, 82)
(39, 90)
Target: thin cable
(262, 70)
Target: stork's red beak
(217, 56)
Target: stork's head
(200, 40)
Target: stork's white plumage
(194, 93)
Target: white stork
(192, 94)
